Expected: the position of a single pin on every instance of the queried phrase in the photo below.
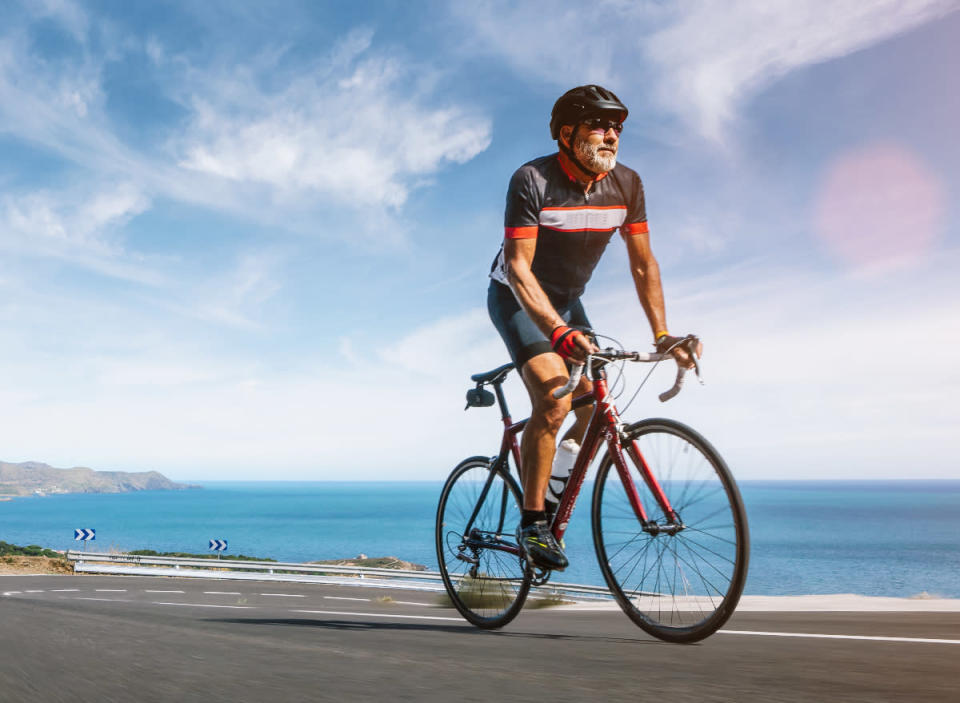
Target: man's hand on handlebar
(572, 344)
(680, 347)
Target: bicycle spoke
(672, 584)
(699, 573)
(687, 540)
(712, 536)
(489, 588)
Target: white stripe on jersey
(570, 219)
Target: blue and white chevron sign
(218, 545)
(84, 535)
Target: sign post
(219, 545)
(84, 535)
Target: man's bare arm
(646, 279)
(518, 256)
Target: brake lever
(692, 350)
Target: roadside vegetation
(33, 550)
(32, 559)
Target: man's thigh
(544, 373)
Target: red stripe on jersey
(636, 228)
(588, 207)
(520, 232)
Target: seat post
(501, 400)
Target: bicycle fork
(673, 524)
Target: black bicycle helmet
(581, 102)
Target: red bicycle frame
(604, 426)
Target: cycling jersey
(572, 228)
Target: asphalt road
(105, 639)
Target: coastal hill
(34, 478)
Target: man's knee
(552, 412)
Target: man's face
(596, 147)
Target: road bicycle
(669, 527)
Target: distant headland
(34, 478)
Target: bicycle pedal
(540, 576)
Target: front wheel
(477, 550)
(678, 579)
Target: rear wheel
(479, 561)
(678, 585)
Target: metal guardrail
(192, 567)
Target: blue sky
(250, 240)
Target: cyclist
(561, 212)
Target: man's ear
(566, 135)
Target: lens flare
(879, 206)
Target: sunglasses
(602, 124)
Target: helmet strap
(573, 157)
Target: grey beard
(591, 156)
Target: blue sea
(885, 538)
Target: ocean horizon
(897, 537)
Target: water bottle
(563, 462)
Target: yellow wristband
(661, 333)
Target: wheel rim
(491, 587)
(675, 582)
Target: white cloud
(347, 135)
(807, 375)
(66, 12)
(237, 297)
(79, 226)
(719, 52)
(363, 135)
(815, 375)
(700, 59)
(563, 43)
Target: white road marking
(205, 605)
(838, 637)
(378, 615)
(111, 590)
(109, 600)
(222, 593)
(283, 595)
(11, 593)
(34, 591)
(367, 600)
(149, 591)
(407, 602)
(64, 590)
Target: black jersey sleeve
(636, 221)
(521, 219)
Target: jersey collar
(574, 173)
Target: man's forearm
(533, 300)
(646, 278)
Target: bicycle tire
(490, 591)
(713, 548)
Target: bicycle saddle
(494, 376)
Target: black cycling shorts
(523, 338)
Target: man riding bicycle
(561, 212)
